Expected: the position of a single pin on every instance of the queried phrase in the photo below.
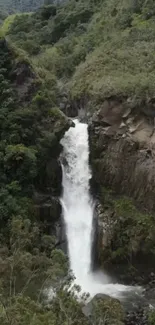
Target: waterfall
(78, 212)
(76, 200)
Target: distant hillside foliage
(96, 49)
(12, 6)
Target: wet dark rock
(95, 235)
(150, 295)
(48, 208)
(68, 108)
(53, 176)
(139, 317)
(49, 212)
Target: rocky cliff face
(122, 148)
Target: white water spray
(78, 213)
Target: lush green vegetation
(30, 129)
(131, 235)
(30, 265)
(100, 48)
(87, 50)
(101, 308)
(152, 318)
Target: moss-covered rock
(103, 309)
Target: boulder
(103, 309)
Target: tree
(29, 266)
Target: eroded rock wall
(122, 152)
(122, 148)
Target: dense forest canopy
(93, 45)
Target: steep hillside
(98, 55)
(103, 48)
(31, 127)
(30, 130)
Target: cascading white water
(78, 207)
(78, 212)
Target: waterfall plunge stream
(78, 210)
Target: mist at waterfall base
(78, 212)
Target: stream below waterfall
(78, 214)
